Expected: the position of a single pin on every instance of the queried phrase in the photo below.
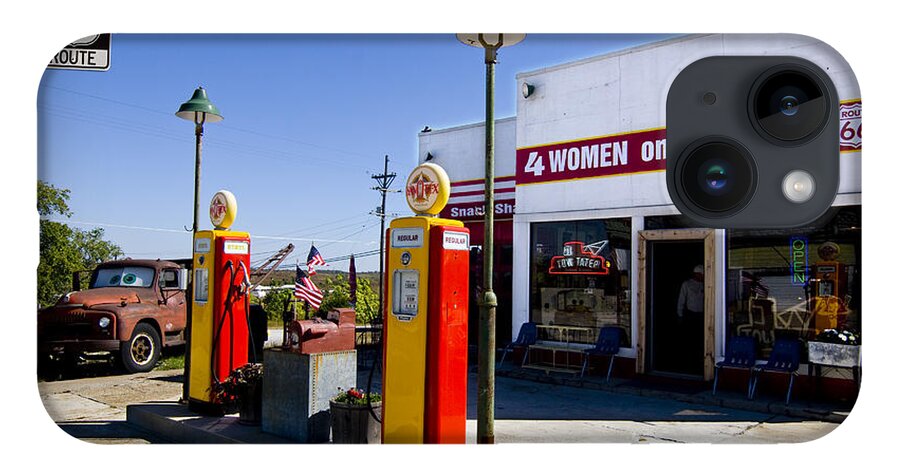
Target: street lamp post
(488, 313)
(199, 110)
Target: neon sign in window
(799, 261)
(578, 258)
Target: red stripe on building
(628, 153)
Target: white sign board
(407, 237)
(456, 240)
(90, 53)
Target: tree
(63, 249)
(274, 303)
(337, 294)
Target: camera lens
(714, 176)
(790, 105)
(718, 177)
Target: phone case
(605, 290)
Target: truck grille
(76, 324)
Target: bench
(566, 367)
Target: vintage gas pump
(426, 318)
(219, 326)
(829, 289)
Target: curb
(171, 428)
(176, 423)
(775, 407)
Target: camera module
(717, 176)
(789, 104)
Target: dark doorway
(675, 343)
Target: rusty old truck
(130, 311)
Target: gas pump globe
(426, 318)
(221, 306)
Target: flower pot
(251, 405)
(354, 424)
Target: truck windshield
(126, 276)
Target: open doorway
(667, 258)
(675, 306)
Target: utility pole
(383, 182)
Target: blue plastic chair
(740, 353)
(785, 359)
(607, 344)
(527, 337)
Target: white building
(582, 162)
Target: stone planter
(354, 424)
(838, 355)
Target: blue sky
(308, 120)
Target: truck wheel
(141, 352)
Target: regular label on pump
(455, 240)
(407, 237)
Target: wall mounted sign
(851, 125)
(578, 258)
(617, 154)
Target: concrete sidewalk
(589, 411)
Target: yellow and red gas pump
(426, 318)
(829, 289)
(219, 323)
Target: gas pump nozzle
(245, 282)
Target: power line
(216, 143)
(338, 259)
(185, 232)
(225, 126)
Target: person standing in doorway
(690, 319)
(690, 298)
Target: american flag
(306, 290)
(314, 259)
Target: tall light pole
(199, 110)
(487, 319)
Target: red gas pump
(231, 308)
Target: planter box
(838, 355)
(355, 424)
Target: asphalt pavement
(529, 408)
(535, 412)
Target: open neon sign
(799, 261)
(578, 258)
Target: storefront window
(795, 283)
(580, 278)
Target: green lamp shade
(199, 103)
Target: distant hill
(287, 277)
